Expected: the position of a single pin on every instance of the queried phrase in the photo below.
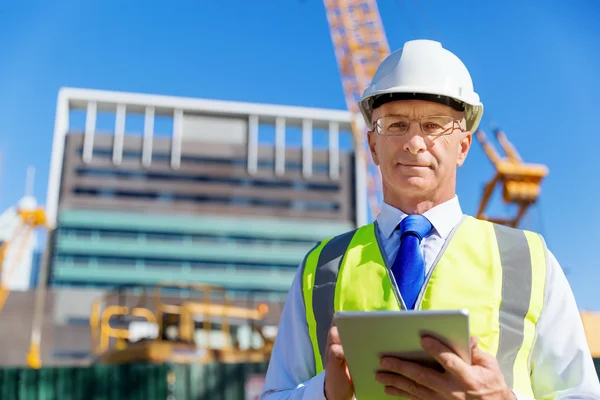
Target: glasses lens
(393, 125)
(437, 125)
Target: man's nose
(415, 141)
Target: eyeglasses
(431, 125)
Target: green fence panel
(214, 381)
(131, 382)
(98, 382)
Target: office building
(150, 189)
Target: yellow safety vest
(496, 272)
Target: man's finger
(474, 342)
(336, 352)
(451, 362)
(334, 347)
(481, 358)
(416, 373)
(405, 385)
(394, 391)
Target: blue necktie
(409, 266)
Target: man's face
(415, 164)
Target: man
(423, 253)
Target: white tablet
(368, 335)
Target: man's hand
(338, 385)
(480, 380)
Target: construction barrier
(134, 382)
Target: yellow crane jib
(519, 181)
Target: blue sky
(536, 66)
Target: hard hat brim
(379, 100)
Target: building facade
(211, 201)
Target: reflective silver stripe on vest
(326, 274)
(516, 295)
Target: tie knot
(416, 224)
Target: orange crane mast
(360, 45)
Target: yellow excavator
(201, 326)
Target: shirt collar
(443, 217)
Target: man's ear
(372, 146)
(463, 148)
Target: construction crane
(360, 45)
(22, 221)
(17, 226)
(27, 219)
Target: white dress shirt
(561, 364)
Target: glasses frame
(455, 122)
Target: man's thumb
(477, 355)
(333, 337)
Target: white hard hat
(423, 70)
